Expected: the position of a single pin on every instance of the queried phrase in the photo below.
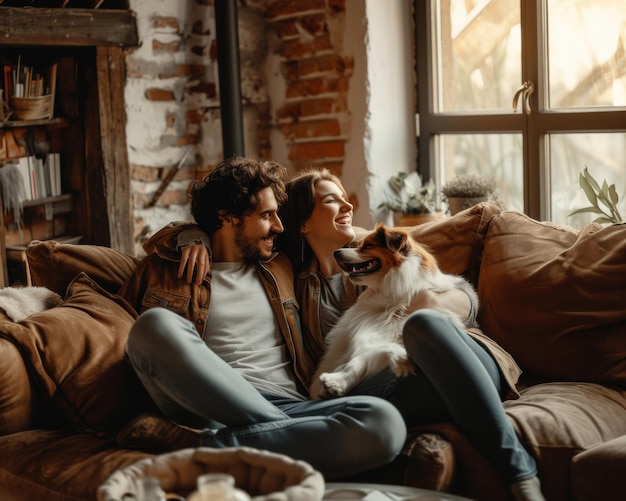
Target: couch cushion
(598, 473)
(554, 297)
(55, 265)
(556, 421)
(58, 465)
(75, 353)
(16, 399)
(457, 241)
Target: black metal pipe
(227, 39)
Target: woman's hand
(194, 257)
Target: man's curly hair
(233, 189)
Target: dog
(368, 337)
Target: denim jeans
(458, 380)
(193, 386)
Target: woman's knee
(424, 327)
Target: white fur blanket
(21, 302)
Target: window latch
(525, 90)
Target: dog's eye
(366, 246)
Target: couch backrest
(55, 265)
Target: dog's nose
(337, 254)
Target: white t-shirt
(242, 330)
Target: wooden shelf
(49, 123)
(63, 27)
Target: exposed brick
(290, 28)
(331, 63)
(173, 197)
(317, 128)
(305, 88)
(337, 5)
(209, 89)
(316, 150)
(160, 22)
(190, 70)
(213, 51)
(193, 116)
(143, 173)
(155, 94)
(199, 29)
(322, 106)
(283, 8)
(295, 49)
(169, 47)
(198, 50)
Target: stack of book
(41, 176)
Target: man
(225, 354)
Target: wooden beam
(111, 81)
(68, 27)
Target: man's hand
(194, 257)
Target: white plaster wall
(355, 168)
(389, 128)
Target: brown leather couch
(553, 296)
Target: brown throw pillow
(555, 297)
(76, 354)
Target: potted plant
(603, 199)
(466, 190)
(410, 200)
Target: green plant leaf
(613, 194)
(594, 210)
(588, 189)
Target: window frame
(534, 129)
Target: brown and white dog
(368, 337)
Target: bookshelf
(76, 150)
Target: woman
(462, 376)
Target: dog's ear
(394, 240)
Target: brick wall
(173, 102)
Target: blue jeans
(458, 380)
(193, 386)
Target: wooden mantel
(75, 27)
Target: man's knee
(146, 330)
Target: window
(563, 60)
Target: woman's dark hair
(232, 188)
(297, 210)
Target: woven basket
(33, 108)
(264, 475)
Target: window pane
(478, 54)
(498, 156)
(604, 155)
(586, 53)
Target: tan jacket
(308, 293)
(155, 283)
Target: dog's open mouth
(363, 268)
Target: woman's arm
(455, 300)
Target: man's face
(254, 234)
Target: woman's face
(330, 223)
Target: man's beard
(249, 249)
